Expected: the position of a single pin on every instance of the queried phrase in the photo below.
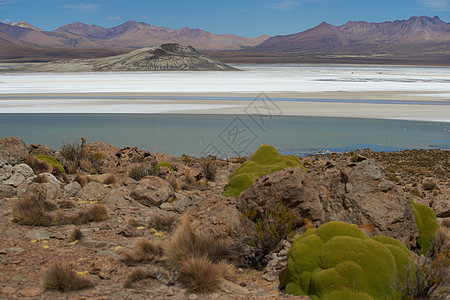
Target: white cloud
(83, 7)
(284, 5)
(441, 5)
(114, 18)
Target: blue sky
(248, 18)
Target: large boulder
(350, 192)
(93, 191)
(15, 147)
(153, 191)
(20, 174)
(6, 191)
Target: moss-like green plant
(164, 164)
(426, 223)
(52, 161)
(339, 261)
(264, 161)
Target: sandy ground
(383, 105)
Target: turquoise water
(225, 135)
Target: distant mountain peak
(25, 25)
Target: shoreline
(373, 105)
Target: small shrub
(438, 244)
(139, 172)
(62, 278)
(186, 158)
(66, 203)
(188, 182)
(143, 250)
(38, 165)
(274, 226)
(162, 222)
(209, 168)
(186, 243)
(199, 274)
(134, 223)
(75, 235)
(309, 224)
(136, 275)
(423, 280)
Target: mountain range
(415, 36)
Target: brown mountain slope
(418, 34)
(132, 34)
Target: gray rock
(40, 234)
(441, 204)
(6, 170)
(52, 178)
(93, 191)
(20, 174)
(7, 191)
(153, 191)
(71, 189)
(15, 147)
(353, 193)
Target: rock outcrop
(353, 193)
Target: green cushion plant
(339, 261)
(426, 223)
(264, 161)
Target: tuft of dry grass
(188, 183)
(136, 275)
(95, 213)
(185, 243)
(173, 181)
(82, 180)
(199, 274)
(75, 235)
(227, 270)
(143, 250)
(33, 210)
(368, 226)
(111, 179)
(62, 278)
(41, 179)
(71, 167)
(66, 203)
(162, 222)
(38, 166)
(209, 168)
(309, 224)
(134, 223)
(66, 178)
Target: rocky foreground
(166, 57)
(147, 195)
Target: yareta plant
(340, 261)
(264, 161)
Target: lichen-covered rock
(338, 260)
(71, 189)
(427, 224)
(15, 147)
(153, 191)
(6, 191)
(264, 161)
(441, 204)
(6, 170)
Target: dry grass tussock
(173, 181)
(163, 222)
(34, 210)
(143, 251)
(82, 180)
(38, 166)
(110, 180)
(200, 275)
(41, 179)
(61, 277)
(75, 235)
(186, 243)
(136, 275)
